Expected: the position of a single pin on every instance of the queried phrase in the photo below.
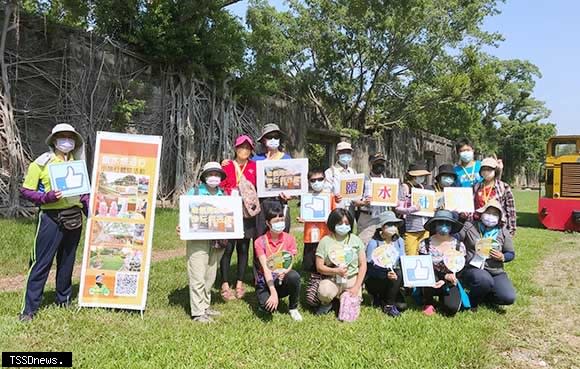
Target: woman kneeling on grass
(275, 278)
(204, 256)
(340, 257)
(489, 246)
(448, 255)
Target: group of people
(338, 261)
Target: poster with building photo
(118, 241)
(211, 217)
(289, 177)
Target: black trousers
(290, 286)
(242, 247)
(449, 298)
(309, 257)
(386, 289)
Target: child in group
(203, 256)
(275, 277)
(442, 246)
(384, 283)
(313, 233)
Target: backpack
(249, 195)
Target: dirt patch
(546, 333)
(16, 283)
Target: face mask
(447, 181)
(273, 143)
(489, 220)
(65, 145)
(278, 227)
(342, 229)
(213, 181)
(345, 159)
(443, 229)
(420, 180)
(466, 156)
(317, 186)
(390, 233)
(378, 169)
(488, 174)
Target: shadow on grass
(529, 220)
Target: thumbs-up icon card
(315, 208)
(418, 271)
(70, 178)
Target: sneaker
(323, 309)
(295, 314)
(202, 319)
(391, 310)
(25, 318)
(429, 310)
(211, 312)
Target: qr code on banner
(126, 284)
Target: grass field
(167, 338)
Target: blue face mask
(466, 156)
(345, 159)
(342, 229)
(443, 229)
(447, 181)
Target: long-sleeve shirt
(413, 223)
(502, 192)
(232, 179)
(332, 182)
(374, 270)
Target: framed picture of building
(289, 177)
(211, 217)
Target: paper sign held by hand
(352, 186)
(70, 178)
(459, 199)
(425, 200)
(418, 271)
(315, 208)
(384, 192)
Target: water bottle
(340, 279)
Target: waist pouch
(69, 219)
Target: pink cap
(244, 138)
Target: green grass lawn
(168, 338)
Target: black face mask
(378, 169)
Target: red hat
(244, 138)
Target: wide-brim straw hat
(64, 127)
(418, 169)
(212, 166)
(269, 128)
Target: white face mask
(213, 181)
(466, 156)
(392, 229)
(273, 143)
(342, 229)
(317, 186)
(489, 220)
(65, 145)
(344, 159)
(488, 174)
(447, 181)
(278, 227)
(420, 180)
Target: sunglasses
(269, 137)
(312, 180)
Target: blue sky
(545, 32)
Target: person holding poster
(275, 278)
(59, 221)
(203, 256)
(239, 169)
(271, 140)
(448, 254)
(368, 213)
(494, 188)
(384, 278)
(415, 232)
(340, 168)
(341, 258)
(489, 245)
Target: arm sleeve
(509, 256)
(510, 209)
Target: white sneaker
(295, 314)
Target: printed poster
(425, 200)
(352, 186)
(119, 234)
(384, 192)
(315, 208)
(211, 217)
(70, 178)
(275, 177)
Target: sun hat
(343, 146)
(489, 162)
(387, 217)
(493, 203)
(64, 127)
(212, 166)
(240, 140)
(445, 169)
(418, 169)
(377, 157)
(269, 128)
(446, 216)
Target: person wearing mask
(441, 227)
(446, 177)
(489, 246)
(272, 285)
(271, 141)
(384, 284)
(415, 232)
(467, 171)
(238, 169)
(368, 214)
(348, 275)
(492, 188)
(203, 256)
(342, 167)
(59, 221)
